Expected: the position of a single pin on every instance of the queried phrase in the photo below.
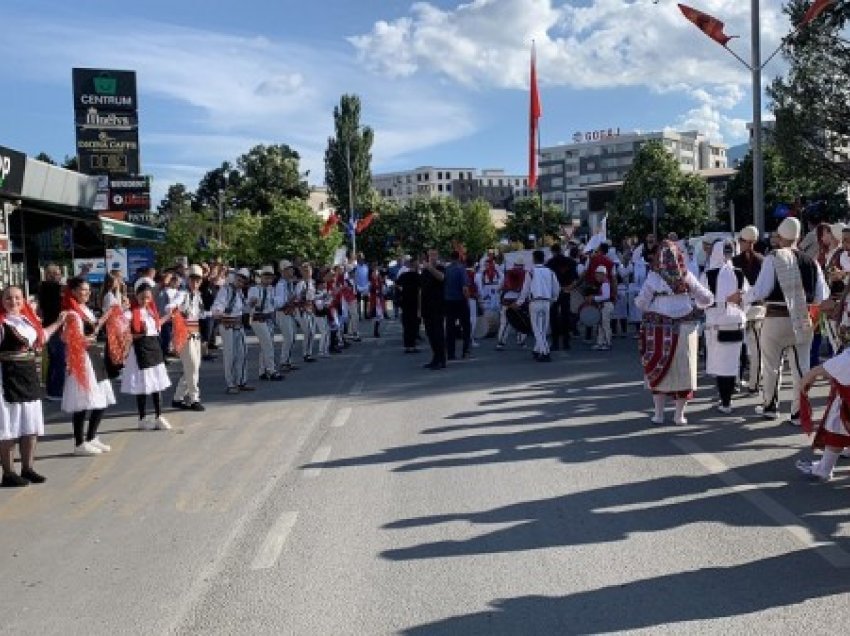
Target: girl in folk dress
(724, 322)
(87, 385)
(144, 371)
(668, 339)
(21, 416)
(376, 299)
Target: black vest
(711, 278)
(808, 273)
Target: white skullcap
(144, 280)
(602, 270)
(789, 229)
(750, 233)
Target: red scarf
(28, 313)
(69, 303)
(136, 324)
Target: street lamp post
(220, 218)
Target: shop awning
(133, 231)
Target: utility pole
(758, 165)
(220, 219)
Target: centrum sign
(114, 90)
(12, 166)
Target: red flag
(818, 7)
(365, 222)
(534, 113)
(333, 219)
(709, 25)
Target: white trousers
(305, 326)
(504, 325)
(187, 387)
(353, 325)
(753, 340)
(265, 335)
(286, 326)
(320, 323)
(539, 312)
(777, 336)
(603, 333)
(233, 341)
(473, 315)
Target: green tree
(219, 183)
(812, 102)
(381, 241)
(426, 223)
(350, 145)
(43, 156)
(267, 174)
(177, 201)
(655, 173)
(291, 230)
(478, 232)
(242, 238)
(524, 221)
(186, 235)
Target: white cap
(284, 264)
(144, 280)
(789, 229)
(195, 270)
(750, 233)
(837, 229)
(244, 273)
(267, 270)
(601, 269)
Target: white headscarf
(727, 284)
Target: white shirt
(228, 296)
(767, 279)
(263, 305)
(282, 293)
(305, 291)
(23, 327)
(604, 293)
(191, 305)
(656, 296)
(540, 284)
(151, 328)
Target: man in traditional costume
(668, 337)
(540, 290)
(749, 262)
(190, 306)
(227, 308)
(262, 304)
(284, 303)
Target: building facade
(425, 181)
(579, 177)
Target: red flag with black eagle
(709, 25)
(534, 114)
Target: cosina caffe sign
(596, 135)
(12, 166)
(112, 152)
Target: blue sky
(442, 82)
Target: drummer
(511, 287)
(602, 299)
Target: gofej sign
(12, 166)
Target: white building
(425, 181)
(569, 172)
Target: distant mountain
(736, 153)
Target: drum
(576, 301)
(589, 315)
(519, 318)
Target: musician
(749, 262)
(191, 306)
(601, 297)
(488, 281)
(305, 294)
(512, 286)
(566, 270)
(227, 308)
(321, 316)
(377, 302)
(540, 289)
(261, 302)
(284, 304)
(836, 277)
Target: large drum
(576, 301)
(589, 315)
(519, 318)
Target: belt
(231, 323)
(262, 317)
(13, 356)
(776, 311)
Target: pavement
(365, 495)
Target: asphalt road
(364, 495)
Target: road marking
(786, 519)
(367, 368)
(341, 417)
(357, 389)
(269, 552)
(319, 457)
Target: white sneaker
(162, 424)
(475, 344)
(146, 424)
(682, 421)
(86, 449)
(726, 410)
(811, 469)
(103, 448)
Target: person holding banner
(191, 309)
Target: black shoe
(536, 355)
(197, 406)
(309, 359)
(437, 366)
(265, 376)
(33, 477)
(335, 350)
(13, 480)
(179, 404)
(466, 355)
(247, 387)
(208, 358)
(288, 367)
(451, 357)
(428, 365)
(276, 377)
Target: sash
(659, 337)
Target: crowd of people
(750, 308)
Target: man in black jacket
(566, 270)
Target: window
(500, 183)
(440, 187)
(468, 175)
(427, 176)
(409, 179)
(448, 187)
(448, 176)
(591, 165)
(439, 175)
(418, 177)
(489, 182)
(557, 182)
(525, 182)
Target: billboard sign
(12, 166)
(107, 89)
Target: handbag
(730, 335)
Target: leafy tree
(185, 236)
(291, 230)
(430, 223)
(812, 103)
(524, 220)
(177, 201)
(350, 142)
(381, 241)
(71, 163)
(655, 173)
(43, 156)
(268, 173)
(242, 238)
(478, 232)
(225, 180)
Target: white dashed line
(341, 417)
(357, 389)
(320, 456)
(269, 552)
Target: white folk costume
(513, 283)
(87, 386)
(540, 289)
(228, 307)
(602, 299)
(321, 319)
(790, 282)
(191, 307)
(144, 369)
(284, 304)
(668, 336)
(305, 294)
(724, 322)
(750, 263)
(20, 400)
(261, 300)
(489, 284)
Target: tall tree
(292, 230)
(177, 201)
(812, 102)
(225, 180)
(478, 233)
(655, 174)
(267, 174)
(430, 223)
(43, 156)
(351, 146)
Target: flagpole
(758, 166)
(540, 192)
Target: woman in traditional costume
(668, 337)
(87, 386)
(724, 322)
(144, 371)
(21, 417)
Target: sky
(442, 82)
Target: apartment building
(425, 181)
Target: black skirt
(148, 351)
(97, 363)
(20, 381)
